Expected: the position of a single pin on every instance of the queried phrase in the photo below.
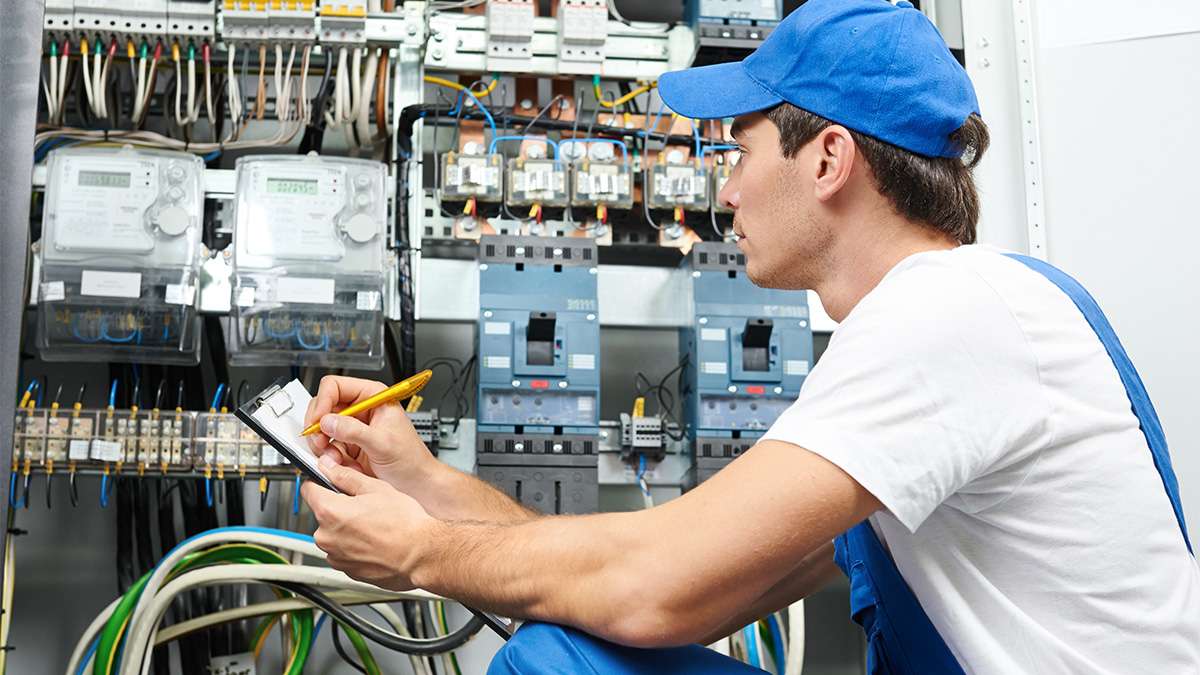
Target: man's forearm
(811, 575)
(449, 494)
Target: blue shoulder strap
(900, 636)
(1138, 398)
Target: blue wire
(619, 144)
(492, 145)
(278, 336)
(208, 491)
(777, 640)
(75, 332)
(696, 135)
(211, 156)
(112, 394)
(105, 336)
(317, 629)
(217, 401)
(104, 491)
(716, 148)
(12, 489)
(87, 656)
(296, 497)
(322, 345)
(657, 117)
(641, 472)
(33, 384)
(486, 113)
(751, 646)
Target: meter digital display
(291, 186)
(110, 179)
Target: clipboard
(277, 415)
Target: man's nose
(731, 194)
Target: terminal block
(59, 18)
(536, 181)
(121, 255)
(582, 33)
(310, 262)
(466, 175)
(148, 440)
(192, 18)
(129, 20)
(642, 435)
(344, 22)
(293, 21)
(428, 426)
(509, 35)
(676, 181)
(245, 20)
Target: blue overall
(900, 637)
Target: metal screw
(562, 384)
(732, 389)
(778, 390)
(487, 314)
(703, 320)
(516, 383)
(591, 317)
(437, 54)
(696, 274)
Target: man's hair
(936, 191)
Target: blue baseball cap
(879, 69)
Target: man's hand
(386, 446)
(382, 443)
(369, 530)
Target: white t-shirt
(970, 396)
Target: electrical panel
(677, 181)
(309, 262)
(539, 371)
(582, 34)
(748, 351)
(509, 35)
(120, 256)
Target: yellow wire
(432, 79)
(112, 653)
(624, 99)
(262, 639)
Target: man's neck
(859, 261)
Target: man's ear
(835, 152)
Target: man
(1020, 517)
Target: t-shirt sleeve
(925, 386)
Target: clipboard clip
(275, 398)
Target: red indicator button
(755, 389)
(545, 384)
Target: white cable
(85, 62)
(418, 664)
(208, 99)
(303, 103)
(6, 599)
(139, 88)
(193, 110)
(89, 634)
(180, 118)
(234, 92)
(795, 647)
(367, 87)
(51, 90)
(102, 84)
(137, 656)
(387, 88)
(62, 85)
(136, 621)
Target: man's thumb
(347, 429)
(347, 480)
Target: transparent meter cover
(327, 212)
(141, 206)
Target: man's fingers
(347, 480)
(348, 430)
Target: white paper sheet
(282, 415)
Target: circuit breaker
(192, 18)
(727, 30)
(309, 262)
(509, 35)
(127, 20)
(539, 371)
(748, 351)
(582, 34)
(120, 251)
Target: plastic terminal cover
(536, 181)
(466, 175)
(597, 182)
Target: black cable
(314, 133)
(386, 638)
(125, 575)
(341, 650)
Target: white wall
(1118, 118)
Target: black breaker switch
(539, 339)
(756, 345)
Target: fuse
(471, 175)
(677, 182)
(536, 181)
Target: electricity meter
(471, 174)
(675, 182)
(536, 181)
(121, 242)
(309, 262)
(599, 176)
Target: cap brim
(708, 92)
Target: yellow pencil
(396, 392)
